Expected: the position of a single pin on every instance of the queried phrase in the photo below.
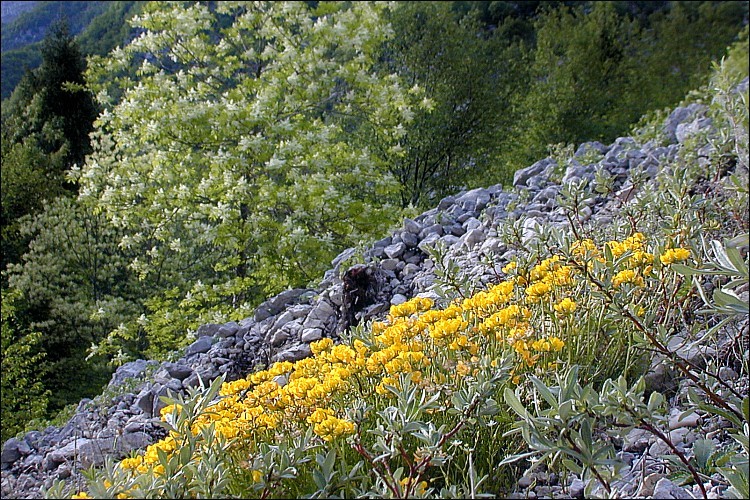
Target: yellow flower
(509, 267)
(674, 255)
(541, 345)
(582, 247)
(82, 494)
(332, 428)
(419, 489)
(319, 415)
(565, 306)
(257, 476)
(640, 257)
(556, 344)
(321, 345)
(538, 290)
(627, 276)
(463, 369)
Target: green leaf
(512, 400)
(544, 391)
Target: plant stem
(655, 431)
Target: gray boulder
(203, 344)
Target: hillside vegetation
(544, 367)
(237, 148)
(100, 27)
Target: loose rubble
(395, 268)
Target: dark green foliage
(76, 289)
(99, 27)
(32, 26)
(14, 65)
(110, 29)
(469, 76)
(23, 394)
(45, 127)
(598, 67)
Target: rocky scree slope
(396, 268)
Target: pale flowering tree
(234, 158)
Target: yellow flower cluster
(673, 255)
(429, 346)
(419, 488)
(565, 306)
(285, 397)
(627, 276)
(633, 243)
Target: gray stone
(475, 200)
(411, 226)
(207, 330)
(589, 147)
(432, 229)
(174, 385)
(320, 314)
(69, 451)
(398, 299)
(449, 240)
(178, 371)
(279, 338)
(726, 373)
(24, 447)
(576, 488)
(666, 489)
(493, 245)
(678, 116)
(546, 194)
(455, 229)
(396, 250)
(471, 238)
(311, 335)
(294, 353)
(524, 482)
(203, 344)
(685, 131)
(382, 243)
(649, 483)
(429, 240)
(145, 401)
(134, 425)
(129, 370)
(679, 419)
(530, 231)
(446, 203)
(636, 440)
(660, 377)
(472, 223)
(283, 319)
(389, 264)
(521, 177)
(134, 441)
(227, 329)
(410, 269)
(158, 402)
(10, 451)
(409, 239)
(275, 305)
(345, 255)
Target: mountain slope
(99, 26)
(481, 232)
